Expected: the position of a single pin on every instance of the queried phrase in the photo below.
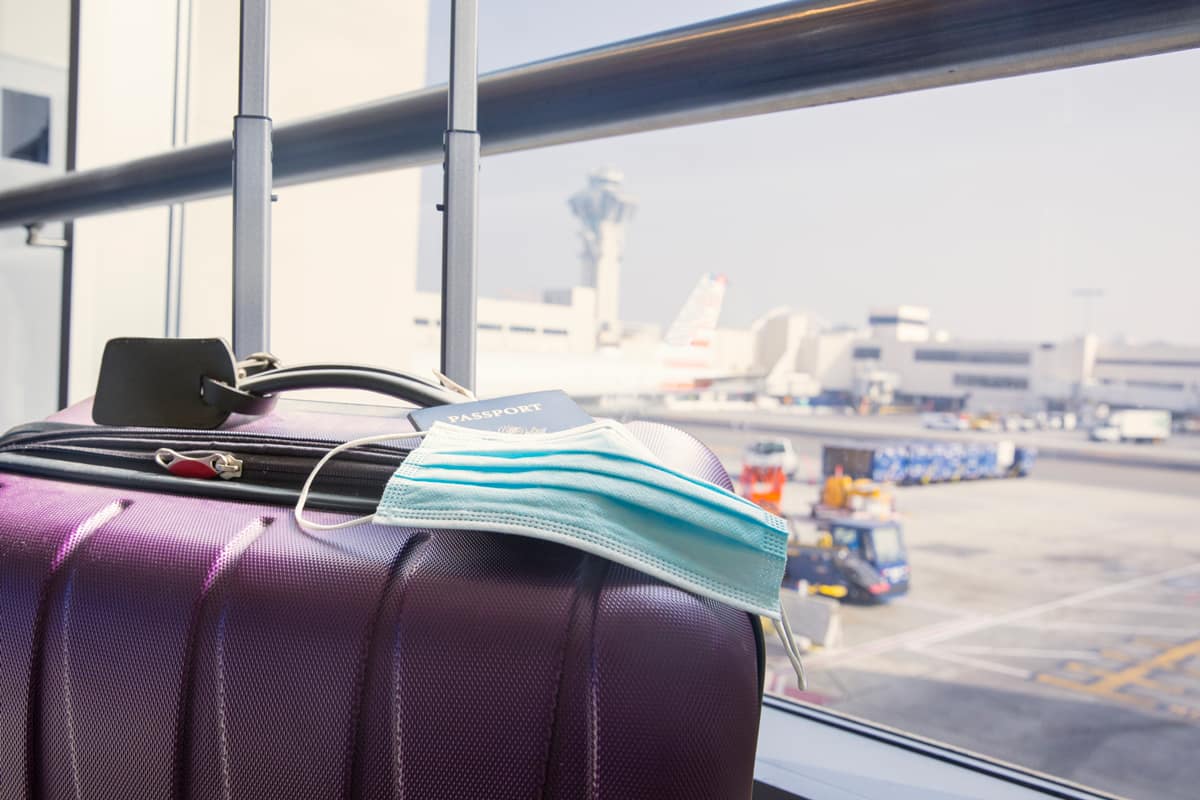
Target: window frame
(931, 762)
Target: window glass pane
(845, 537)
(901, 278)
(26, 126)
(888, 549)
(518, 33)
(343, 251)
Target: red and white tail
(697, 320)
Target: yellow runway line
(1139, 672)
(1110, 684)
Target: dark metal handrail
(786, 56)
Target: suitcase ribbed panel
(162, 646)
(118, 619)
(480, 633)
(672, 683)
(38, 520)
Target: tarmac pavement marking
(1101, 627)
(896, 641)
(975, 663)
(1086, 669)
(1116, 654)
(1070, 600)
(1142, 702)
(1021, 652)
(1131, 684)
(1152, 607)
(1149, 643)
(1158, 686)
(943, 631)
(1139, 672)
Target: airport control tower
(603, 209)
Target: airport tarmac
(1053, 622)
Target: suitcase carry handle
(256, 395)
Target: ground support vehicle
(856, 559)
(1134, 425)
(763, 486)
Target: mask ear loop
(784, 629)
(312, 527)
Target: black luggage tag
(535, 412)
(156, 383)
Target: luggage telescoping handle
(252, 177)
(460, 200)
(252, 185)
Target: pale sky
(988, 202)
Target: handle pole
(460, 218)
(252, 186)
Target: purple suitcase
(158, 645)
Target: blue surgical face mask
(595, 488)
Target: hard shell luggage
(161, 644)
(167, 630)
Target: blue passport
(535, 412)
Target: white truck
(1134, 425)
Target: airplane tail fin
(697, 320)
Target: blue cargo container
(991, 461)
(889, 463)
(947, 460)
(883, 463)
(977, 463)
(925, 461)
(919, 468)
(960, 462)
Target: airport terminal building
(897, 359)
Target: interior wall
(34, 44)
(36, 31)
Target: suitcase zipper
(199, 463)
(255, 458)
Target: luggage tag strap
(233, 400)
(256, 363)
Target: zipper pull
(199, 463)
